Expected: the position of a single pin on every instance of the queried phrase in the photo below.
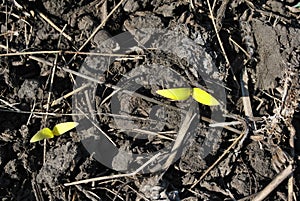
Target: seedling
(297, 5)
(58, 129)
(184, 93)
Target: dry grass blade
(101, 25)
(9, 105)
(36, 189)
(31, 112)
(103, 133)
(133, 56)
(180, 137)
(210, 121)
(235, 142)
(114, 176)
(288, 104)
(54, 67)
(123, 56)
(30, 53)
(274, 183)
(291, 179)
(245, 95)
(153, 134)
(97, 81)
(135, 94)
(218, 36)
(223, 124)
(61, 31)
(57, 101)
(242, 49)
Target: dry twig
(180, 137)
(114, 176)
(274, 183)
(61, 31)
(220, 42)
(238, 139)
(98, 28)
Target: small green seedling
(184, 93)
(58, 129)
(297, 5)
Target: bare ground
(254, 47)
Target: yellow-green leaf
(175, 93)
(61, 128)
(45, 133)
(183, 93)
(203, 97)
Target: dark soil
(133, 52)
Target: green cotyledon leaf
(58, 129)
(61, 128)
(45, 133)
(184, 93)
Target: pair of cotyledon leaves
(58, 129)
(184, 93)
(175, 94)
